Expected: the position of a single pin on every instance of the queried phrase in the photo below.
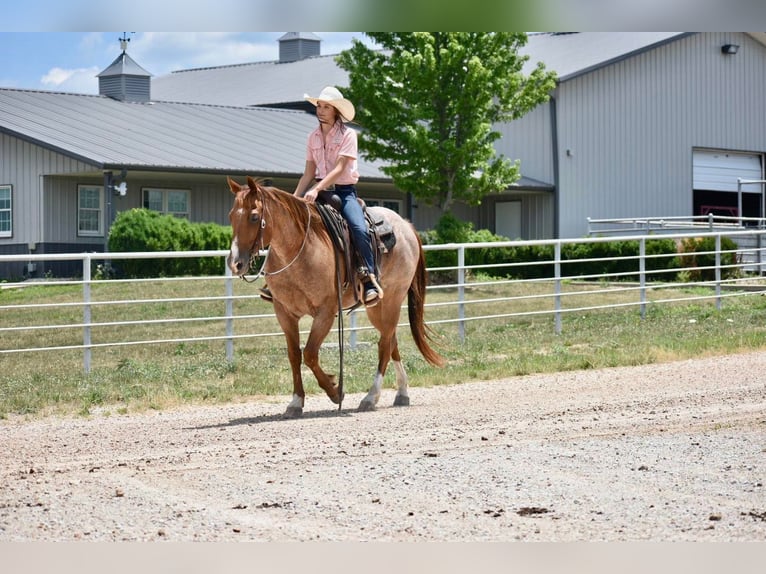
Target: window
(6, 211)
(90, 210)
(392, 204)
(169, 201)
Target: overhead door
(718, 171)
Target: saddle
(381, 234)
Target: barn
(639, 125)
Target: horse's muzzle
(238, 265)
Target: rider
(331, 164)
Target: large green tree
(427, 103)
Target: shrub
(146, 230)
(619, 258)
(536, 261)
(450, 229)
(699, 252)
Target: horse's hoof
(366, 406)
(402, 401)
(293, 412)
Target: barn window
(6, 211)
(90, 210)
(168, 201)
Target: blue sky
(69, 61)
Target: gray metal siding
(528, 139)
(22, 164)
(209, 201)
(632, 126)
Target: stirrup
(371, 297)
(265, 294)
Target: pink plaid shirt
(325, 153)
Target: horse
(301, 271)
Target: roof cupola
(124, 79)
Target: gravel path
(671, 452)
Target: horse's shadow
(250, 421)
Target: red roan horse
(300, 268)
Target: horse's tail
(416, 298)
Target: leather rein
(255, 250)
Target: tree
(427, 103)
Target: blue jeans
(354, 216)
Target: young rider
(331, 164)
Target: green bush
(619, 258)
(694, 258)
(536, 261)
(449, 229)
(146, 230)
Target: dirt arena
(669, 452)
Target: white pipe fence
(470, 279)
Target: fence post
(718, 271)
(557, 284)
(642, 274)
(86, 314)
(461, 292)
(229, 282)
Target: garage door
(718, 171)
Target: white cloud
(162, 52)
(78, 80)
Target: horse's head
(246, 217)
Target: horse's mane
(295, 206)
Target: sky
(70, 61)
(41, 49)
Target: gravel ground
(669, 452)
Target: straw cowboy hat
(332, 96)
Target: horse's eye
(254, 217)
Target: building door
(508, 219)
(715, 176)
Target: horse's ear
(233, 185)
(252, 184)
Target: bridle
(255, 250)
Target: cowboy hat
(332, 96)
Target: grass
(159, 376)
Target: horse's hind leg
(402, 398)
(388, 348)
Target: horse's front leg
(319, 328)
(289, 325)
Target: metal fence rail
(455, 304)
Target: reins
(255, 250)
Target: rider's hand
(311, 195)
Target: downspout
(555, 152)
(108, 181)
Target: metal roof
(573, 54)
(123, 64)
(163, 135)
(273, 82)
(299, 36)
(256, 84)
